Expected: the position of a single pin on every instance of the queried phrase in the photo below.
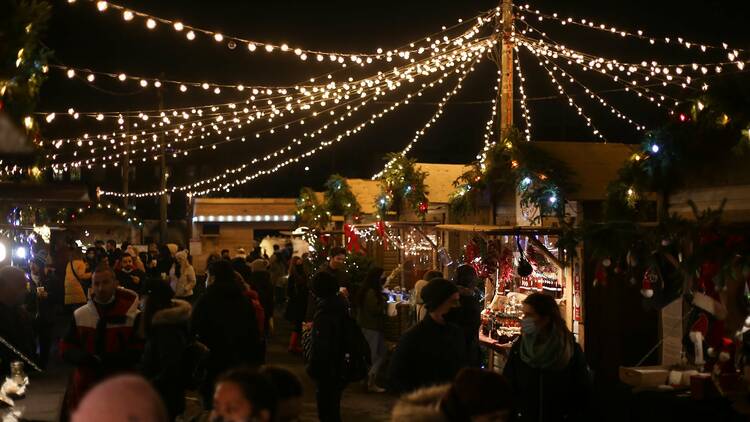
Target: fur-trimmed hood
(422, 405)
(177, 314)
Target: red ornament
(423, 207)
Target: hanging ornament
(649, 280)
(606, 262)
(524, 269)
(423, 207)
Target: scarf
(551, 350)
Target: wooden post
(506, 68)
(163, 182)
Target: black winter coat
(127, 281)
(297, 291)
(469, 317)
(546, 395)
(428, 354)
(224, 320)
(327, 352)
(162, 359)
(260, 281)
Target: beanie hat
(324, 285)
(259, 265)
(436, 292)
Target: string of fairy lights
(271, 130)
(340, 58)
(220, 184)
(329, 101)
(420, 132)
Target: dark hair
(372, 282)
(256, 388)
(465, 275)
(112, 242)
(336, 250)
(292, 268)
(159, 297)
(476, 392)
(546, 307)
(276, 247)
(432, 274)
(223, 272)
(286, 384)
(224, 250)
(124, 245)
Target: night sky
(82, 37)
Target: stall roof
(595, 165)
(241, 207)
(440, 178)
(365, 191)
(500, 230)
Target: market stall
(513, 262)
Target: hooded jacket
(183, 284)
(163, 354)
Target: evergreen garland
(401, 185)
(310, 212)
(540, 179)
(339, 198)
(23, 58)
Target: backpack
(356, 360)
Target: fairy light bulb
(102, 5)
(183, 88)
(269, 48)
(127, 15)
(122, 77)
(71, 73)
(150, 23)
(252, 47)
(218, 37)
(190, 35)
(178, 26)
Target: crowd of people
(139, 324)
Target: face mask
(528, 326)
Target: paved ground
(44, 395)
(357, 404)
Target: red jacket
(101, 341)
(260, 315)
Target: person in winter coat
(224, 320)
(475, 395)
(76, 280)
(41, 304)
(102, 340)
(417, 295)
(15, 321)
(433, 351)
(296, 308)
(336, 267)
(277, 267)
(128, 276)
(182, 277)
(468, 315)
(546, 367)
(260, 281)
(371, 309)
(164, 327)
(326, 354)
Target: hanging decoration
(310, 212)
(339, 198)
(402, 186)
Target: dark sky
(83, 37)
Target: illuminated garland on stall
(339, 198)
(401, 185)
